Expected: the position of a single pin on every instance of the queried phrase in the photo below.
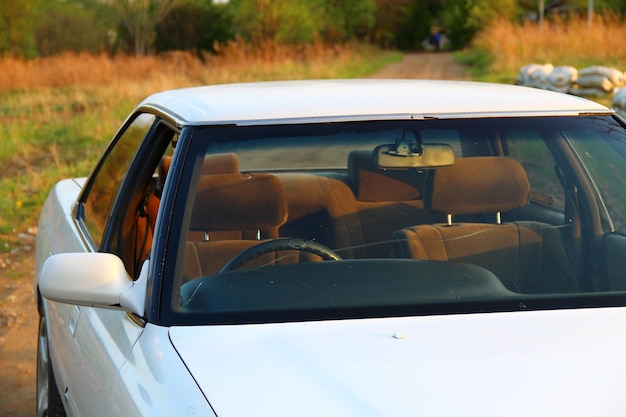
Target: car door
(89, 345)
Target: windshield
(392, 218)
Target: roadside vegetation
(73, 69)
(57, 114)
(503, 47)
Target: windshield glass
(392, 218)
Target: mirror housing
(93, 280)
(430, 155)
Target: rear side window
(527, 147)
(603, 155)
(110, 174)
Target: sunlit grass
(505, 47)
(57, 114)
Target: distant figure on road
(437, 40)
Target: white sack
(615, 76)
(595, 81)
(619, 99)
(563, 76)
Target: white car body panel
(102, 342)
(548, 363)
(58, 233)
(96, 342)
(108, 362)
(273, 101)
(155, 382)
(103, 350)
(57, 230)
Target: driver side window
(110, 174)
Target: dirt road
(18, 314)
(18, 329)
(428, 65)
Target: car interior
(475, 204)
(374, 213)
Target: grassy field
(57, 114)
(498, 53)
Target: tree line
(31, 28)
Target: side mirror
(430, 155)
(92, 280)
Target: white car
(341, 248)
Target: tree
(614, 6)
(206, 23)
(74, 26)
(17, 22)
(302, 21)
(345, 20)
(406, 24)
(140, 18)
(283, 21)
(464, 18)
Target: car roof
(353, 99)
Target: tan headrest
(477, 185)
(239, 202)
(220, 163)
(373, 184)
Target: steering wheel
(280, 244)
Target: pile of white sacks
(619, 102)
(596, 81)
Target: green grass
(43, 142)
(476, 61)
(370, 66)
(50, 134)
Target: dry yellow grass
(236, 62)
(58, 113)
(559, 42)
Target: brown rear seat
(354, 214)
(386, 200)
(322, 207)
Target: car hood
(538, 363)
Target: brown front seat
(220, 163)
(253, 204)
(527, 256)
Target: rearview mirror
(430, 155)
